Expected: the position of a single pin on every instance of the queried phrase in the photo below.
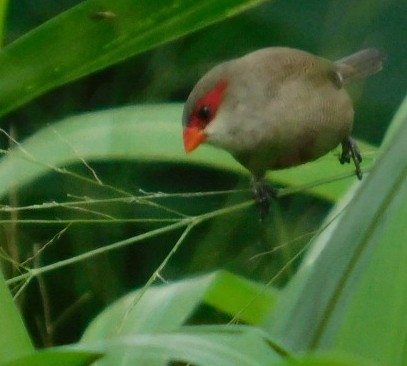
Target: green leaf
(96, 34)
(378, 307)
(149, 133)
(56, 357)
(3, 12)
(161, 308)
(326, 177)
(398, 120)
(216, 345)
(247, 300)
(146, 315)
(167, 307)
(325, 359)
(14, 339)
(351, 291)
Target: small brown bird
(277, 107)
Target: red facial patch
(204, 112)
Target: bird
(276, 108)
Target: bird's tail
(360, 65)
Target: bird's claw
(263, 193)
(350, 151)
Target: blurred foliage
(332, 28)
(328, 28)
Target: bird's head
(201, 109)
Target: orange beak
(193, 137)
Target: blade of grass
(213, 345)
(399, 118)
(96, 34)
(3, 13)
(351, 279)
(14, 339)
(224, 291)
(147, 133)
(57, 356)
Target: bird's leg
(263, 193)
(350, 150)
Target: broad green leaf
(149, 133)
(96, 34)
(161, 308)
(56, 357)
(350, 293)
(249, 301)
(378, 307)
(167, 307)
(216, 345)
(14, 339)
(326, 359)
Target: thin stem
(132, 240)
(89, 221)
(155, 275)
(292, 190)
(128, 200)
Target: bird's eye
(204, 113)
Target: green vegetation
(119, 249)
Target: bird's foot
(263, 193)
(350, 151)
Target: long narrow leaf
(353, 281)
(56, 357)
(14, 339)
(96, 34)
(147, 133)
(216, 346)
(167, 307)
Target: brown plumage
(277, 107)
